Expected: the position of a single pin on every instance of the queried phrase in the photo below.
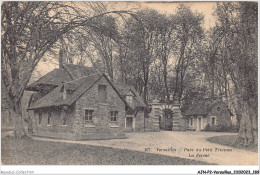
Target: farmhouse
(79, 103)
(212, 112)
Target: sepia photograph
(129, 83)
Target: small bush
(208, 128)
(221, 128)
(233, 141)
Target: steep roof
(75, 84)
(82, 86)
(123, 89)
(69, 72)
(204, 106)
(51, 99)
(78, 86)
(77, 79)
(200, 107)
(55, 77)
(55, 97)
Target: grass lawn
(33, 152)
(229, 140)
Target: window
(49, 118)
(88, 116)
(64, 120)
(129, 99)
(113, 116)
(191, 121)
(40, 118)
(102, 93)
(213, 121)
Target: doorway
(167, 120)
(129, 123)
(199, 123)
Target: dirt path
(179, 144)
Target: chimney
(61, 59)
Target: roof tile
(199, 107)
(78, 79)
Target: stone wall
(222, 113)
(149, 124)
(162, 122)
(183, 124)
(204, 122)
(155, 120)
(139, 121)
(76, 129)
(156, 115)
(102, 127)
(56, 129)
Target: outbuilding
(203, 112)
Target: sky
(207, 8)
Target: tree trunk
(145, 92)
(248, 134)
(19, 129)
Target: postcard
(129, 83)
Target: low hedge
(221, 128)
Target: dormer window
(129, 99)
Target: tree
(103, 39)
(29, 31)
(189, 34)
(236, 63)
(153, 39)
(143, 32)
(164, 46)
